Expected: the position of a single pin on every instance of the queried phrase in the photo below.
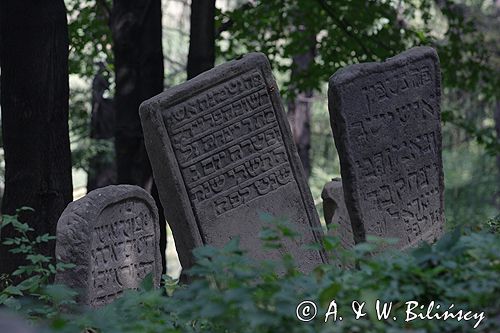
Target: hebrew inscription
(386, 123)
(111, 235)
(226, 143)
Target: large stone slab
(221, 151)
(112, 236)
(385, 119)
(336, 214)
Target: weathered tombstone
(112, 236)
(336, 213)
(12, 323)
(221, 151)
(385, 118)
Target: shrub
(232, 293)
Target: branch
(225, 26)
(175, 62)
(344, 27)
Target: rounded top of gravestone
(95, 201)
(349, 73)
(331, 188)
(206, 79)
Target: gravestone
(112, 237)
(221, 151)
(12, 323)
(385, 119)
(336, 213)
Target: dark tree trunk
(299, 109)
(102, 168)
(201, 55)
(137, 39)
(34, 100)
(136, 27)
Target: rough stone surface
(221, 151)
(336, 213)
(12, 323)
(112, 236)
(385, 119)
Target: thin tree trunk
(34, 100)
(102, 168)
(201, 55)
(137, 38)
(299, 109)
(497, 128)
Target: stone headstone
(385, 119)
(12, 323)
(336, 213)
(112, 236)
(221, 151)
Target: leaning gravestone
(336, 213)
(385, 118)
(222, 152)
(112, 237)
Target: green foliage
(483, 135)
(352, 31)
(494, 224)
(88, 148)
(84, 148)
(90, 36)
(342, 35)
(231, 293)
(471, 185)
(36, 273)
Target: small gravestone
(222, 153)
(385, 118)
(336, 213)
(12, 323)
(112, 237)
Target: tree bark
(299, 108)
(137, 38)
(201, 55)
(102, 169)
(34, 100)
(136, 28)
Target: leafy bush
(37, 272)
(231, 293)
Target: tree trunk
(497, 128)
(34, 100)
(201, 55)
(102, 168)
(137, 38)
(299, 109)
(136, 28)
